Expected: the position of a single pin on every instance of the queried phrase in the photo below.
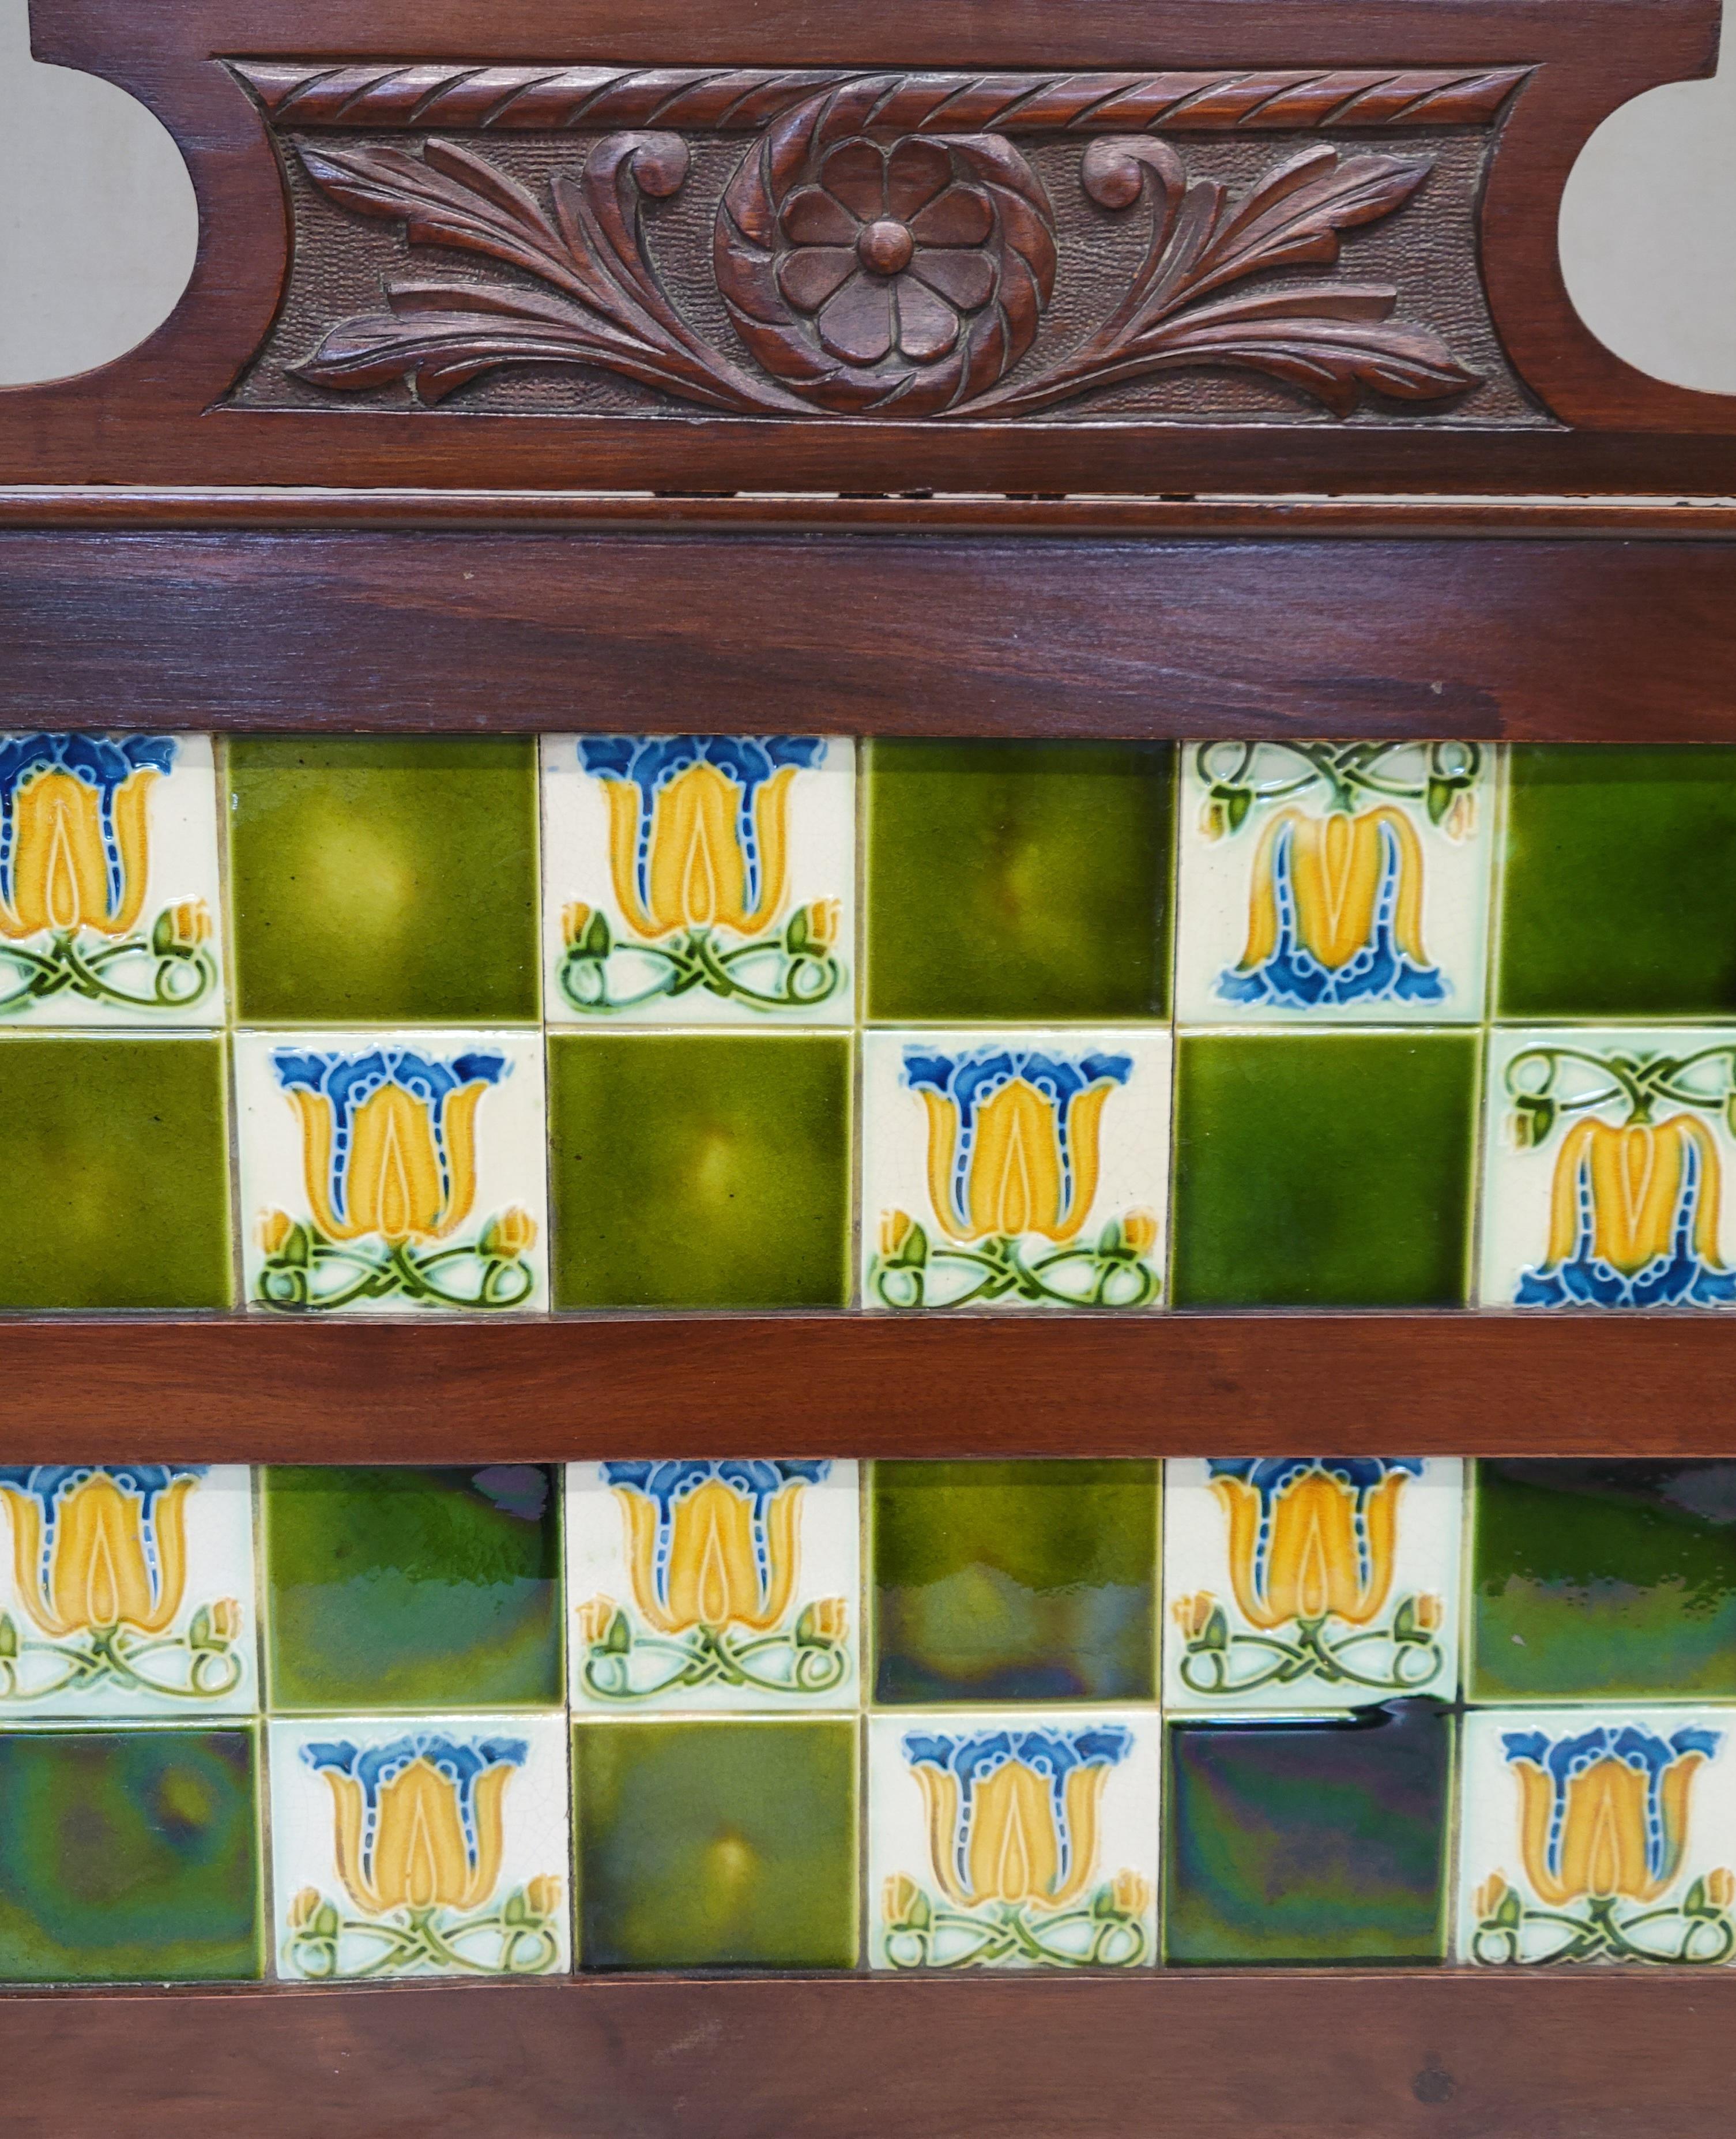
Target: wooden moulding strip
(260, 1389)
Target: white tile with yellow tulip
(422, 1846)
(1013, 1838)
(1333, 882)
(1600, 1834)
(393, 1173)
(709, 1583)
(127, 1590)
(109, 881)
(1026, 1169)
(1310, 1583)
(699, 879)
(1608, 1165)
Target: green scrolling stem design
(517, 1939)
(1401, 1658)
(178, 970)
(1112, 1271)
(1107, 1933)
(795, 969)
(200, 1665)
(305, 1272)
(811, 1658)
(1346, 774)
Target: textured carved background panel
(889, 246)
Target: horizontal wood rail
(262, 1390)
(1600, 2054)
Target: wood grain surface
(154, 416)
(1602, 2054)
(264, 1390)
(873, 634)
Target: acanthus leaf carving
(874, 273)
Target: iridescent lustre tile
(699, 879)
(1310, 1581)
(712, 1583)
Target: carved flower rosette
(872, 262)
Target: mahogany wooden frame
(471, 573)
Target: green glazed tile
(1020, 1581)
(1019, 881)
(378, 879)
(1329, 1170)
(694, 1170)
(716, 1844)
(1594, 1580)
(393, 1589)
(128, 1856)
(1308, 1842)
(1620, 894)
(115, 1157)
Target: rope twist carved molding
(884, 247)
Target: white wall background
(97, 223)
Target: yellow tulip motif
(1311, 1537)
(74, 830)
(1335, 913)
(713, 1544)
(698, 831)
(97, 1548)
(1013, 1137)
(1013, 1815)
(419, 1822)
(389, 1138)
(1604, 1811)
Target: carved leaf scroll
(869, 272)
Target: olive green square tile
(114, 1153)
(391, 1590)
(130, 1856)
(1015, 1581)
(381, 880)
(716, 1844)
(1619, 891)
(690, 1170)
(1322, 1843)
(1603, 1580)
(1019, 881)
(1328, 1169)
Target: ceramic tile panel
(708, 1583)
(130, 1854)
(1600, 1835)
(1014, 1581)
(1603, 1581)
(404, 1589)
(1324, 1169)
(1310, 1581)
(1321, 1840)
(110, 886)
(384, 880)
(1606, 1151)
(699, 879)
(127, 1591)
(697, 1170)
(393, 1172)
(1026, 1170)
(717, 1841)
(1018, 883)
(1334, 883)
(115, 1151)
(1013, 1837)
(420, 1845)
